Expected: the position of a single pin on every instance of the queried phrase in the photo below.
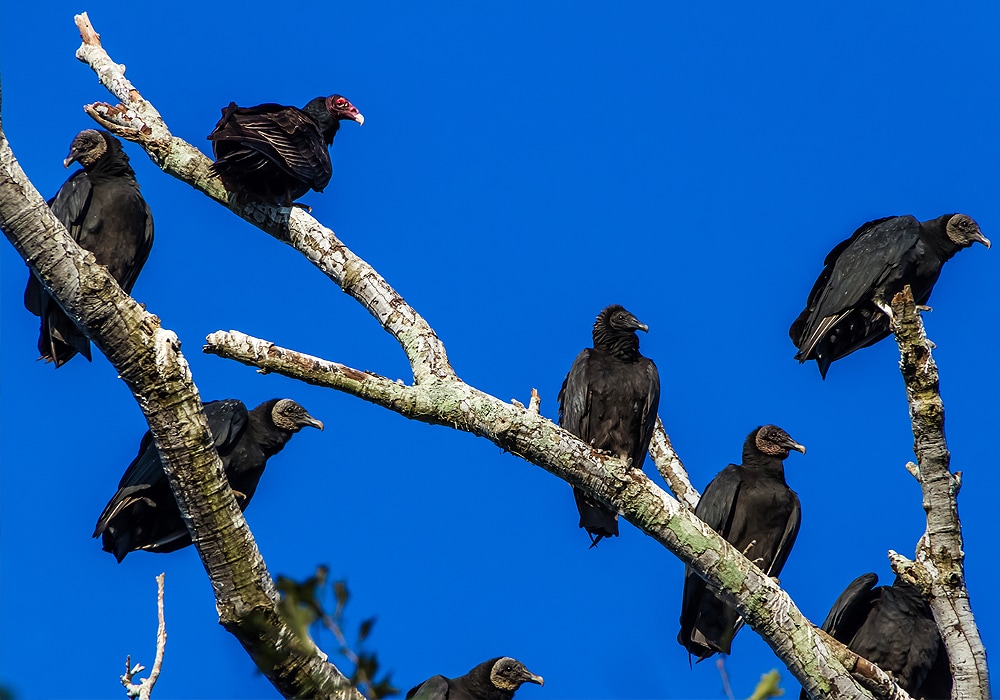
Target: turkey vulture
(609, 400)
(848, 307)
(278, 153)
(496, 679)
(751, 506)
(143, 513)
(892, 626)
(103, 211)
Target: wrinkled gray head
(615, 318)
(87, 147)
(964, 231)
(290, 416)
(341, 108)
(508, 674)
(775, 442)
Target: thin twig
(144, 688)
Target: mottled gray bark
(939, 568)
(149, 361)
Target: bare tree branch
(670, 467)
(939, 569)
(137, 120)
(144, 687)
(148, 359)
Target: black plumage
(278, 153)
(848, 307)
(893, 627)
(143, 514)
(496, 679)
(103, 211)
(609, 400)
(751, 506)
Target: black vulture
(103, 211)
(609, 400)
(751, 506)
(143, 514)
(496, 679)
(892, 626)
(278, 153)
(848, 307)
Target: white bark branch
(939, 568)
(144, 688)
(137, 120)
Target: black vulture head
(508, 674)
(614, 332)
(340, 108)
(775, 442)
(964, 231)
(290, 416)
(87, 148)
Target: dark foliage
(302, 604)
(144, 515)
(848, 307)
(496, 679)
(103, 211)
(751, 506)
(278, 153)
(892, 626)
(609, 400)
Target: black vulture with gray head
(893, 627)
(751, 506)
(103, 211)
(496, 679)
(609, 400)
(143, 514)
(848, 307)
(278, 153)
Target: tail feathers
(599, 521)
(60, 340)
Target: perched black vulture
(144, 514)
(278, 153)
(848, 307)
(609, 400)
(751, 506)
(104, 212)
(892, 626)
(496, 679)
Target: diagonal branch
(671, 468)
(939, 569)
(137, 120)
(808, 652)
(148, 359)
(438, 396)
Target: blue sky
(519, 169)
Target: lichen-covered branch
(149, 361)
(939, 568)
(813, 657)
(671, 468)
(437, 396)
(137, 120)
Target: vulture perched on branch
(496, 679)
(103, 211)
(848, 307)
(609, 400)
(143, 514)
(751, 506)
(278, 153)
(892, 626)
